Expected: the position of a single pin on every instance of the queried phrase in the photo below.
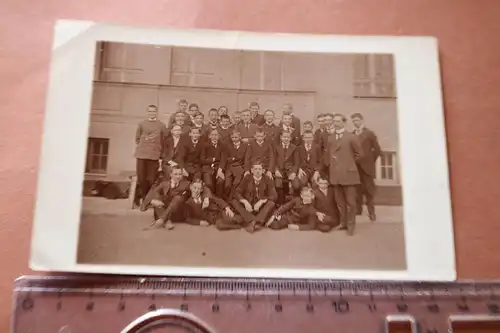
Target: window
(118, 62)
(387, 172)
(97, 155)
(374, 76)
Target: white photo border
(428, 226)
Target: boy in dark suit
(310, 161)
(199, 122)
(216, 212)
(287, 126)
(341, 154)
(193, 109)
(246, 128)
(173, 152)
(213, 160)
(324, 202)
(236, 118)
(286, 167)
(299, 214)
(271, 130)
(260, 150)
(366, 165)
(236, 152)
(182, 108)
(308, 126)
(257, 118)
(167, 199)
(255, 198)
(179, 120)
(222, 111)
(225, 129)
(328, 130)
(320, 119)
(213, 119)
(287, 109)
(192, 154)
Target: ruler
(116, 304)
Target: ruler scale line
(259, 305)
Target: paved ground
(110, 233)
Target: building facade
(129, 77)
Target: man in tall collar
(341, 154)
(271, 130)
(149, 139)
(257, 118)
(366, 165)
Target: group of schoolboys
(247, 171)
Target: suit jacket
(213, 158)
(171, 153)
(192, 155)
(248, 190)
(194, 211)
(341, 157)
(311, 160)
(264, 153)
(236, 157)
(325, 204)
(258, 119)
(318, 134)
(225, 134)
(247, 133)
(371, 151)
(272, 132)
(164, 192)
(298, 211)
(288, 160)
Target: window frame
(91, 154)
(372, 76)
(395, 170)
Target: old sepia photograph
(239, 158)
